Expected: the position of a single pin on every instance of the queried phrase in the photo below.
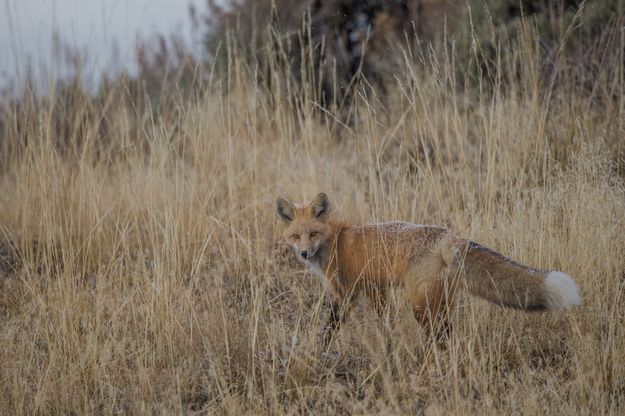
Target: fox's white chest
(316, 269)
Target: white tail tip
(562, 292)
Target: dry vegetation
(141, 269)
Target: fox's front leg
(333, 322)
(339, 310)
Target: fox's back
(379, 252)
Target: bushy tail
(498, 279)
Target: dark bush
(350, 39)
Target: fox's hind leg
(426, 306)
(431, 304)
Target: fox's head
(307, 228)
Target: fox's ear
(320, 206)
(285, 209)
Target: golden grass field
(142, 271)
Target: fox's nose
(304, 254)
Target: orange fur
(427, 261)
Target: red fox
(428, 261)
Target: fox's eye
(295, 236)
(314, 234)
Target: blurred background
(44, 40)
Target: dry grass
(142, 271)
